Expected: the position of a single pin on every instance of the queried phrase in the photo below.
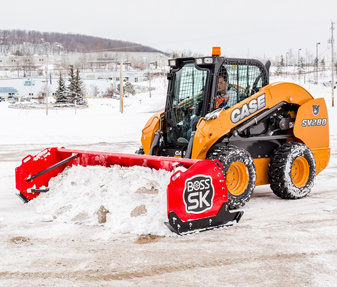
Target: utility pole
(287, 53)
(47, 93)
(316, 66)
(332, 65)
(299, 66)
(121, 86)
(149, 73)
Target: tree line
(301, 65)
(74, 92)
(31, 42)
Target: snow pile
(134, 197)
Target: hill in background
(22, 42)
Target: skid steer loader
(274, 133)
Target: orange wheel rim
(300, 171)
(237, 178)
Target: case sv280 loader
(275, 134)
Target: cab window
(242, 82)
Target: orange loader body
(310, 129)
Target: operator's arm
(221, 101)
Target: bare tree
(94, 90)
(110, 92)
(83, 62)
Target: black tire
(292, 171)
(239, 171)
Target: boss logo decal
(198, 194)
(248, 109)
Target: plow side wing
(198, 192)
(197, 199)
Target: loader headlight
(199, 61)
(172, 63)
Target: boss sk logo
(198, 194)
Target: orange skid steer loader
(266, 133)
(260, 133)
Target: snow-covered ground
(56, 240)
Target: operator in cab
(227, 94)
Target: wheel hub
(237, 178)
(300, 171)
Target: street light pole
(287, 64)
(149, 73)
(121, 86)
(299, 68)
(317, 62)
(47, 93)
(332, 66)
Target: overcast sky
(243, 28)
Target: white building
(87, 62)
(8, 91)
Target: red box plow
(196, 198)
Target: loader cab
(188, 93)
(192, 93)
(245, 78)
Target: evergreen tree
(316, 62)
(71, 89)
(129, 89)
(300, 66)
(279, 68)
(79, 90)
(118, 92)
(61, 94)
(282, 61)
(323, 64)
